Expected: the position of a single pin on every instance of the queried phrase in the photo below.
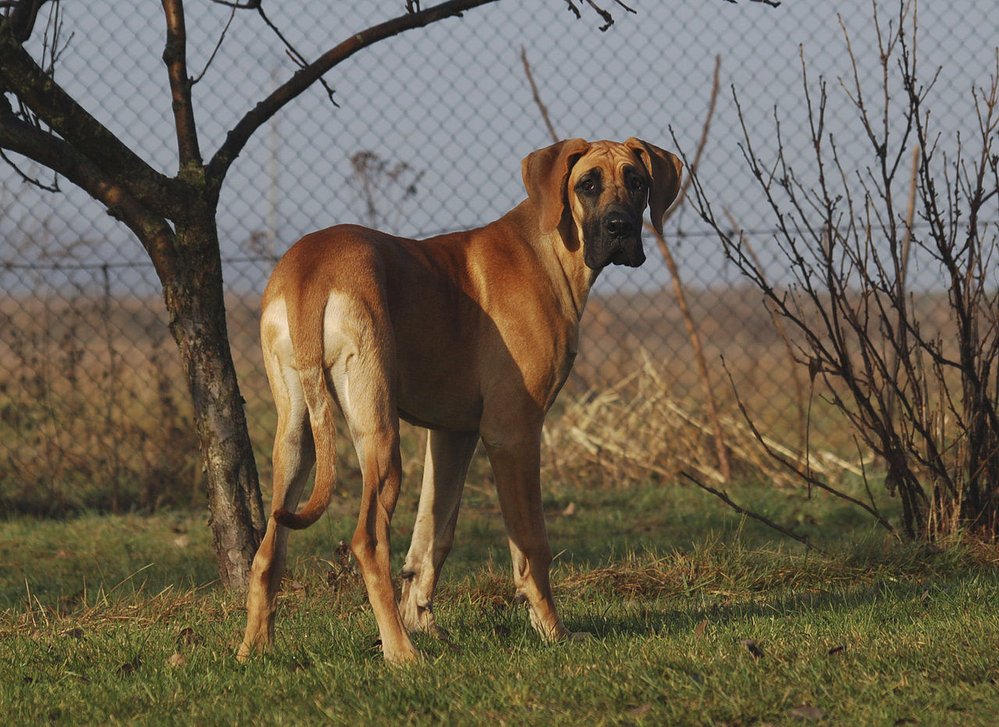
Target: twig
(695, 342)
(693, 333)
(778, 324)
(28, 179)
(903, 270)
(215, 50)
(248, 5)
(723, 496)
(537, 96)
(573, 9)
(701, 143)
(806, 476)
(293, 53)
(607, 17)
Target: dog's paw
(401, 654)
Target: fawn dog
(469, 334)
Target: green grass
(116, 619)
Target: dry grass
(638, 429)
(94, 410)
(89, 419)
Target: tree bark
(192, 290)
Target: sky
(449, 108)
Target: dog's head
(594, 194)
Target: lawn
(697, 616)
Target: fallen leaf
(342, 553)
(130, 667)
(569, 510)
(701, 627)
(753, 648)
(640, 711)
(806, 712)
(181, 541)
(176, 660)
(189, 637)
(904, 720)
(839, 648)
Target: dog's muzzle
(616, 240)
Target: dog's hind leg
(368, 400)
(294, 455)
(448, 455)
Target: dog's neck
(567, 268)
(562, 261)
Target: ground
(697, 616)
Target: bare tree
(174, 220)
(924, 399)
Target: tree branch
(27, 178)
(297, 58)
(306, 76)
(22, 76)
(22, 17)
(175, 58)
(60, 156)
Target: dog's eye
(586, 185)
(637, 183)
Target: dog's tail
(307, 340)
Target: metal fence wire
(424, 134)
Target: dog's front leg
(515, 457)
(446, 465)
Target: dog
(469, 334)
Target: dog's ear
(664, 169)
(545, 173)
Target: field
(697, 617)
(94, 411)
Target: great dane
(471, 335)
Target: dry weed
(637, 430)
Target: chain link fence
(424, 133)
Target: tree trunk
(192, 289)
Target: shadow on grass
(902, 598)
(62, 563)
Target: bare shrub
(921, 396)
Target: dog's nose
(618, 225)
